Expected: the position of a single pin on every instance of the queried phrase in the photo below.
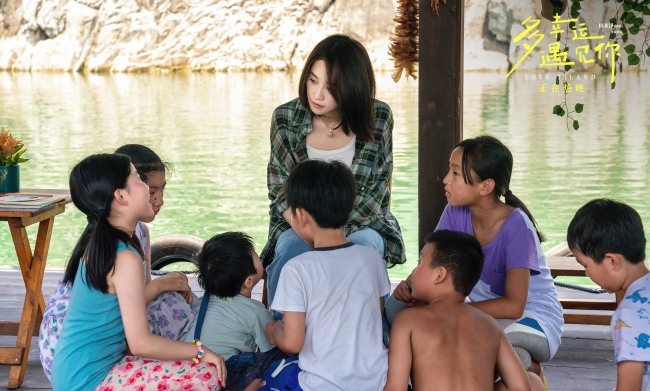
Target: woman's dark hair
(93, 182)
(225, 261)
(461, 254)
(490, 159)
(144, 159)
(351, 82)
(326, 190)
(604, 226)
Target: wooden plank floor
(583, 362)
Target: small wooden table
(568, 266)
(32, 266)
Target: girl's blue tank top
(93, 338)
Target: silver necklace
(331, 128)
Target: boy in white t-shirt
(331, 296)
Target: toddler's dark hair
(461, 254)
(604, 226)
(225, 261)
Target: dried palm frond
(435, 5)
(404, 42)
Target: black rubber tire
(169, 249)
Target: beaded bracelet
(199, 352)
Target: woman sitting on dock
(169, 297)
(107, 310)
(335, 117)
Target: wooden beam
(11, 328)
(11, 356)
(440, 104)
(602, 320)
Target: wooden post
(440, 104)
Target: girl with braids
(516, 287)
(169, 297)
(107, 313)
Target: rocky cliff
(222, 35)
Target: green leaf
(21, 160)
(646, 10)
(558, 110)
(579, 107)
(634, 30)
(624, 37)
(574, 12)
(613, 85)
(576, 125)
(638, 22)
(633, 59)
(647, 52)
(612, 21)
(629, 18)
(629, 49)
(557, 81)
(627, 7)
(567, 67)
(620, 66)
(624, 29)
(612, 35)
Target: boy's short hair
(604, 226)
(225, 261)
(461, 254)
(326, 190)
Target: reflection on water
(213, 128)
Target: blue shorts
(282, 375)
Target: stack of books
(28, 200)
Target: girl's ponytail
(490, 159)
(514, 201)
(93, 182)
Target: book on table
(28, 200)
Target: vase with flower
(11, 151)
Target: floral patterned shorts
(169, 316)
(139, 374)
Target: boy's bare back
(453, 346)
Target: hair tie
(508, 193)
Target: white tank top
(344, 155)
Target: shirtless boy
(444, 344)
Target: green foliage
(630, 17)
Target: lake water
(214, 129)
